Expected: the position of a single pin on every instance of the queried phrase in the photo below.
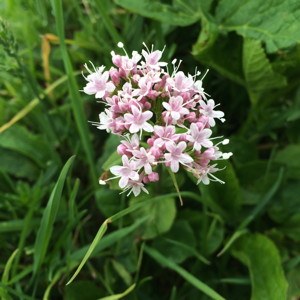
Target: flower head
(163, 119)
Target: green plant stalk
(76, 102)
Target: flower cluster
(164, 118)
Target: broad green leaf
(258, 209)
(291, 227)
(261, 257)
(183, 273)
(109, 148)
(228, 196)
(289, 156)
(48, 218)
(180, 13)
(258, 71)
(219, 52)
(273, 22)
(161, 215)
(83, 289)
(179, 243)
(114, 159)
(286, 204)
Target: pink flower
(207, 110)
(204, 173)
(129, 145)
(175, 107)
(97, 83)
(126, 172)
(144, 159)
(180, 82)
(135, 187)
(138, 120)
(175, 155)
(152, 60)
(164, 134)
(199, 137)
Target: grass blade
(182, 272)
(48, 218)
(96, 240)
(104, 226)
(119, 296)
(76, 102)
(107, 22)
(5, 276)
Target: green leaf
(10, 162)
(20, 140)
(227, 196)
(261, 257)
(273, 22)
(83, 289)
(48, 218)
(161, 215)
(289, 156)
(113, 160)
(181, 13)
(179, 243)
(183, 273)
(219, 52)
(291, 227)
(258, 71)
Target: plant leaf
(258, 71)
(271, 21)
(261, 257)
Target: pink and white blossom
(175, 107)
(207, 109)
(98, 83)
(138, 120)
(199, 138)
(161, 118)
(176, 156)
(126, 171)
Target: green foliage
(238, 240)
(261, 257)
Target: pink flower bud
(121, 149)
(153, 177)
(191, 117)
(146, 179)
(115, 76)
(156, 152)
(150, 141)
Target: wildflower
(98, 83)
(162, 118)
(199, 138)
(125, 172)
(175, 155)
(138, 120)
